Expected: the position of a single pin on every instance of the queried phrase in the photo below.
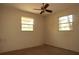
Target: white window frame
(27, 23)
(65, 24)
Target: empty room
(39, 29)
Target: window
(65, 23)
(26, 24)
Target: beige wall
(0, 20)
(12, 37)
(68, 40)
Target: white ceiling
(29, 7)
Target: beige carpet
(41, 50)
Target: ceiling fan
(44, 8)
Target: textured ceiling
(29, 7)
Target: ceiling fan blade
(37, 9)
(41, 12)
(49, 11)
(46, 5)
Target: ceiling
(29, 7)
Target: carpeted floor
(41, 50)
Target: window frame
(69, 23)
(27, 30)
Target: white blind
(65, 23)
(27, 24)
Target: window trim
(70, 26)
(27, 24)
